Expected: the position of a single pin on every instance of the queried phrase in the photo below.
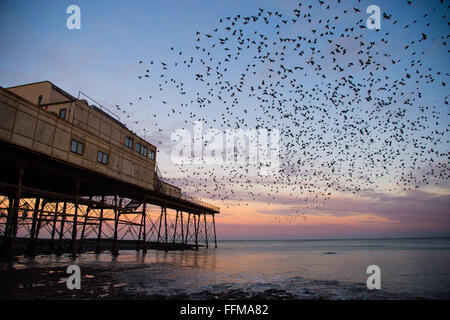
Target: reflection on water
(334, 269)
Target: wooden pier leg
(55, 218)
(5, 247)
(15, 216)
(16, 213)
(206, 231)
(115, 248)
(8, 219)
(75, 217)
(144, 235)
(159, 228)
(39, 222)
(187, 227)
(31, 243)
(99, 235)
(59, 249)
(138, 245)
(138, 242)
(175, 229)
(165, 227)
(182, 230)
(196, 225)
(214, 225)
(83, 230)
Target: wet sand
(242, 270)
(50, 283)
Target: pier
(73, 178)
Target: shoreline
(49, 283)
(102, 283)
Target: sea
(296, 269)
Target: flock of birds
(357, 109)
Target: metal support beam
(214, 225)
(55, 218)
(182, 230)
(159, 228)
(206, 231)
(5, 247)
(83, 230)
(8, 220)
(13, 227)
(144, 236)
(115, 248)
(175, 229)
(59, 249)
(74, 230)
(99, 235)
(39, 222)
(187, 227)
(165, 227)
(196, 225)
(138, 244)
(32, 242)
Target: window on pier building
(62, 113)
(138, 147)
(77, 146)
(144, 151)
(129, 143)
(102, 157)
(151, 155)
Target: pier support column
(83, 230)
(5, 246)
(214, 226)
(182, 229)
(59, 249)
(8, 249)
(99, 235)
(74, 230)
(165, 228)
(55, 218)
(175, 229)
(32, 242)
(115, 248)
(187, 228)
(16, 212)
(141, 227)
(159, 227)
(39, 222)
(144, 235)
(196, 225)
(138, 244)
(206, 230)
(8, 219)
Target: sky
(321, 192)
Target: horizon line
(321, 239)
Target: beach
(280, 270)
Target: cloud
(318, 231)
(415, 208)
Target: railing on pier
(161, 188)
(199, 202)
